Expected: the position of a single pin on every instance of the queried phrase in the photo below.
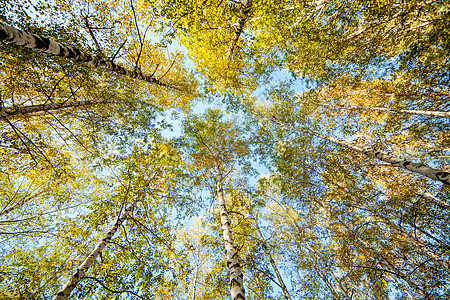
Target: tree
(303, 208)
(217, 149)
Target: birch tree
(217, 149)
(22, 38)
(392, 160)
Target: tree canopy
(224, 149)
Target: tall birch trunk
(18, 204)
(433, 113)
(234, 268)
(36, 42)
(394, 270)
(83, 268)
(408, 236)
(436, 200)
(421, 169)
(238, 27)
(272, 263)
(7, 112)
(387, 264)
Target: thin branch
(91, 33)
(113, 291)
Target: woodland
(264, 150)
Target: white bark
(421, 169)
(82, 269)
(408, 236)
(18, 204)
(387, 264)
(32, 41)
(7, 112)
(239, 25)
(234, 268)
(272, 262)
(433, 113)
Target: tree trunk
(234, 268)
(433, 113)
(82, 269)
(239, 25)
(272, 262)
(387, 264)
(7, 112)
(421, 169)
(408, 236)
(394, 270)
(436, 200)
(32, 41)
(18, 204)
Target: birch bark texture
(433, 113)
(83, 268)
(246, 5)
(234, 267)
(418, 168)
(413, 239)
(14, 111)
(43, 44)
(272, 262)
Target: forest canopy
(224, 149)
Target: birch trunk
(18, 204)
(391, 268)
(239, 25)
(433, 113)
(388, 264)
(7, 112)
(408, 236)
(436, 200)
(421, 169)
(273, 264)
(36, 42)
(234, 268)
(82, 269)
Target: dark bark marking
(3, 34)
(42, 43)
(239, 297)
(60, 294)
(236, 265)
(443, 176)
(234, 283)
